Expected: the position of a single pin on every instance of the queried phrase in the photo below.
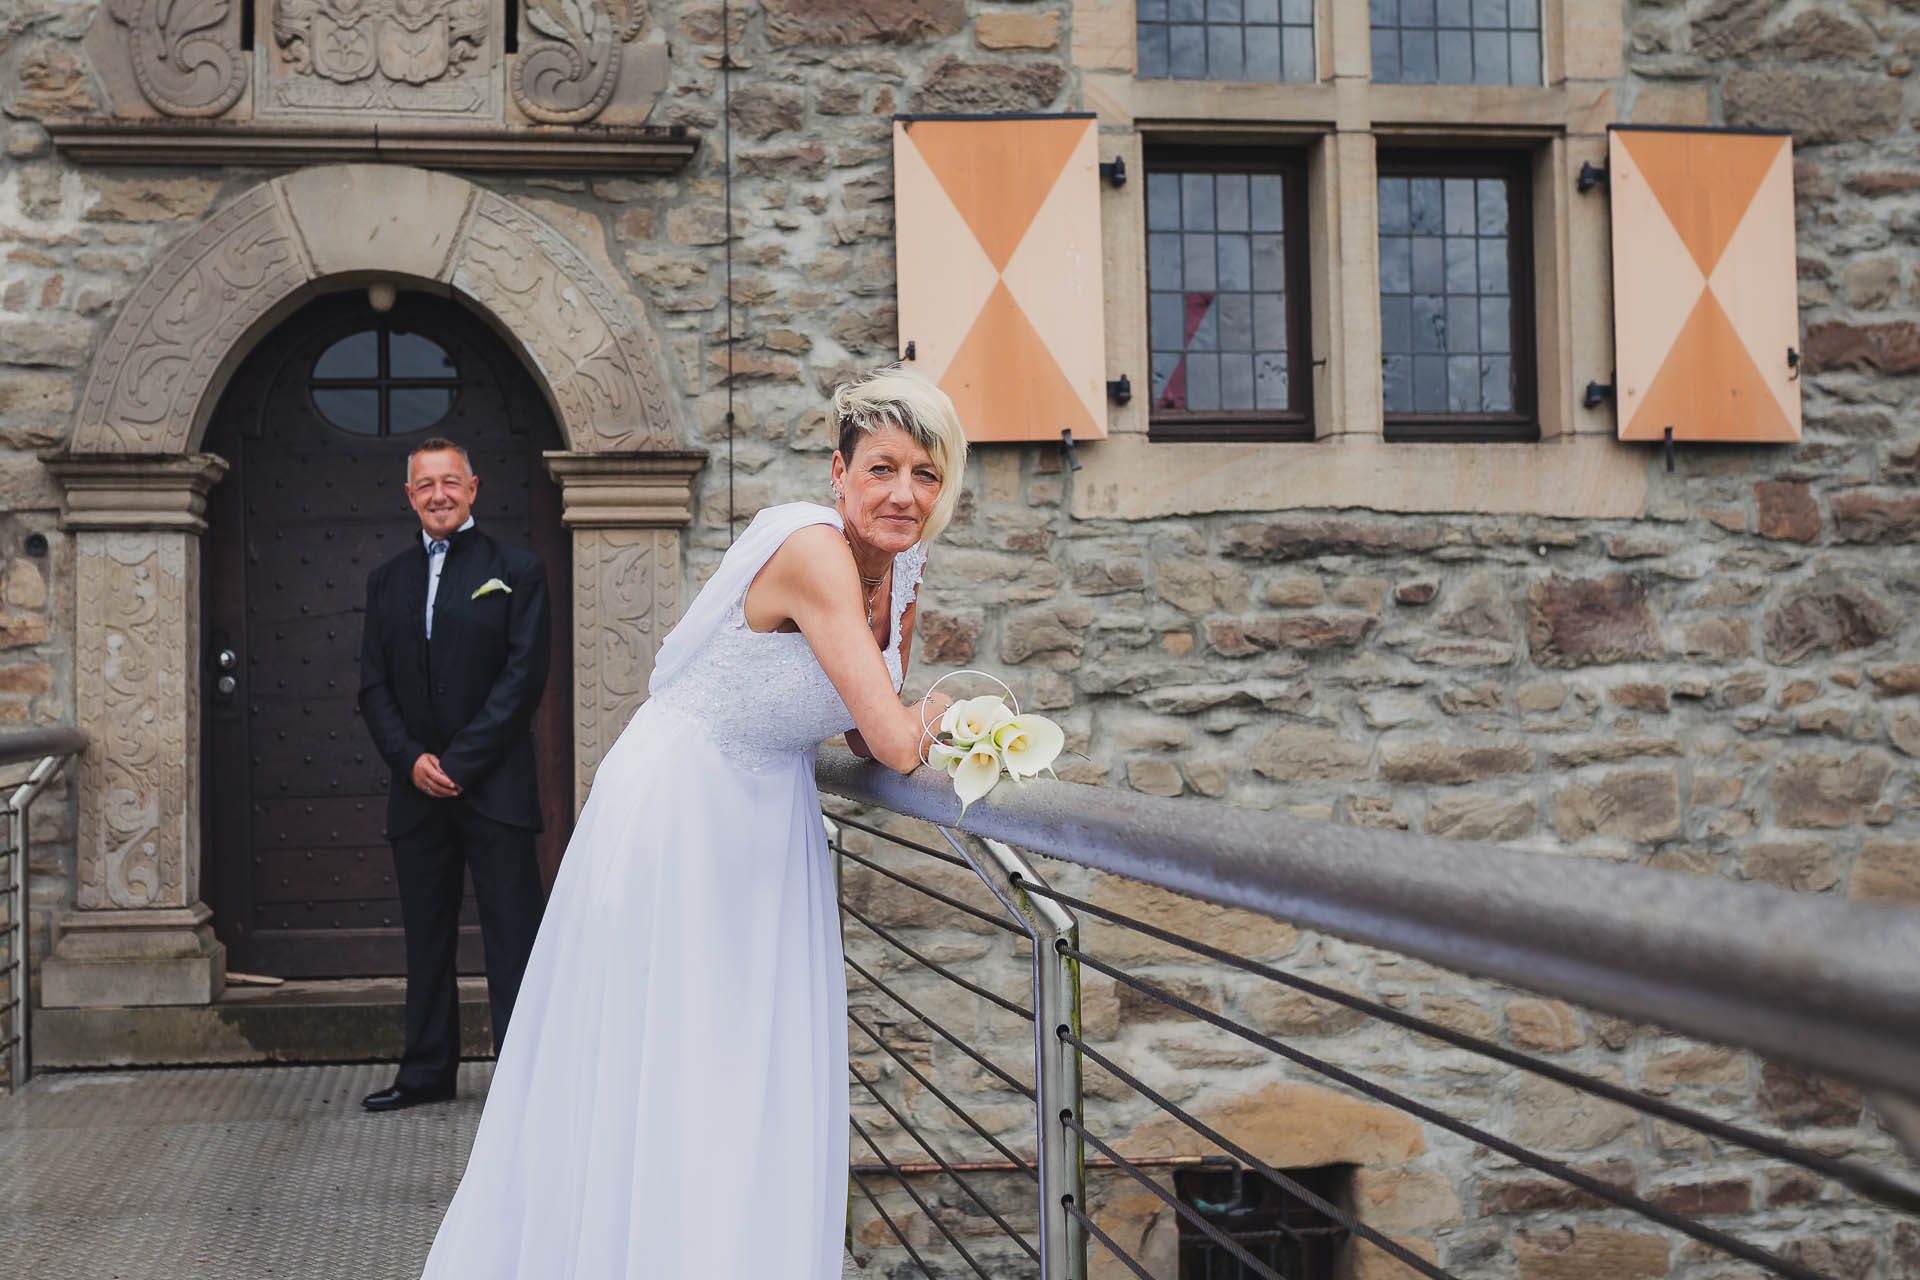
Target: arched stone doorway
(136, 483)
(316, 426)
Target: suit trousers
(428, 864)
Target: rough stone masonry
(1727, 686)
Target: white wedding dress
(671, 1099)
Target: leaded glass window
(1226, 294)
(1456, 41)
(1455, 312)
(384, 381)
(1252, 40)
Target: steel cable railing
(46, 751)
(1842, 1009)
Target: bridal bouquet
(981, 739)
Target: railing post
(1056, 1004)
(19, 820)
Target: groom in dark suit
(452, 661)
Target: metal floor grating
(226, 1174)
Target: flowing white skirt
(671, 1100)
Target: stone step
(339, 1020)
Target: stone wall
(1727, 685)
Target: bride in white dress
(671, 1099)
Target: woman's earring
(837, 495)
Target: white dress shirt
(436, 558)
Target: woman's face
(890, 486)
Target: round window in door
(383, 381)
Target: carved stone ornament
(570, 77)
(183, 54)
(428, 58)
(155, 382)
(626, 594)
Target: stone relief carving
(184, 54)
(131, 666)
(570, 77)
(603, 369)
(626, 595)
(403, 57)
(183, 321)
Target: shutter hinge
(1591, 176)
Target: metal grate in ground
(226, 1174)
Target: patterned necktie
(437, 548)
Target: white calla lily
(942, 756)
(972, 719)
(975, 773)
(1028, 744)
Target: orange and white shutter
(1705, 296)
(998, 236)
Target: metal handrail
(49, 749)
(1821, 982)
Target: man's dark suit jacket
(467, 696)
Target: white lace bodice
(762, 696)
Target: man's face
(441, 490)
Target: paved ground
(225, 1174)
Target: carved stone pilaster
(140, 931)
(626, 512)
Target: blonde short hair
(895, 397)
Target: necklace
(871, 584)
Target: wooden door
(317, 426)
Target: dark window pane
(1463, 384)
(1150, 10)
(1236, 321)
(1263, 55)
(1236, 268)
(1167, 382)
(1386, 56)
(1456, 57)
(1164, 329)
(1270, 382)
(1297, 45)
(1224, 59)
(1461, 275)
(1496, 384)
(1198, 252)
(1230, 201)
(1493, 207)
(1396, 264)
(1384, 13)
(1267, 198)
(1525, 58)
(1153, 51)
(354, 410)
(1227, 12)
(1187, 52)
(1196, 201)
(1429, 264)
(1269, 263)
(1297, 13)
(1495, 323)
(409, 355)
(1523, 15)
(1393, 207)
(1270, 321)
(1416, 13)
(1263, 12)
(1493, 264)
(1396, 376)
(1429, 213)
(1463, 324)
(1429, 323)
(1203, 383)
(355, 356)
(1417, 57)
(1236, 382)
(1488, 14)
(1188, 10)
(1430, 384)
(1490, 58)
(1163, 261)
(1163, 201)
(416, 408)
(1396, 324)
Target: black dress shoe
(399, 1097)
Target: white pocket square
(488, 587)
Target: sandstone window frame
(1295, 422)
(1574, 469)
